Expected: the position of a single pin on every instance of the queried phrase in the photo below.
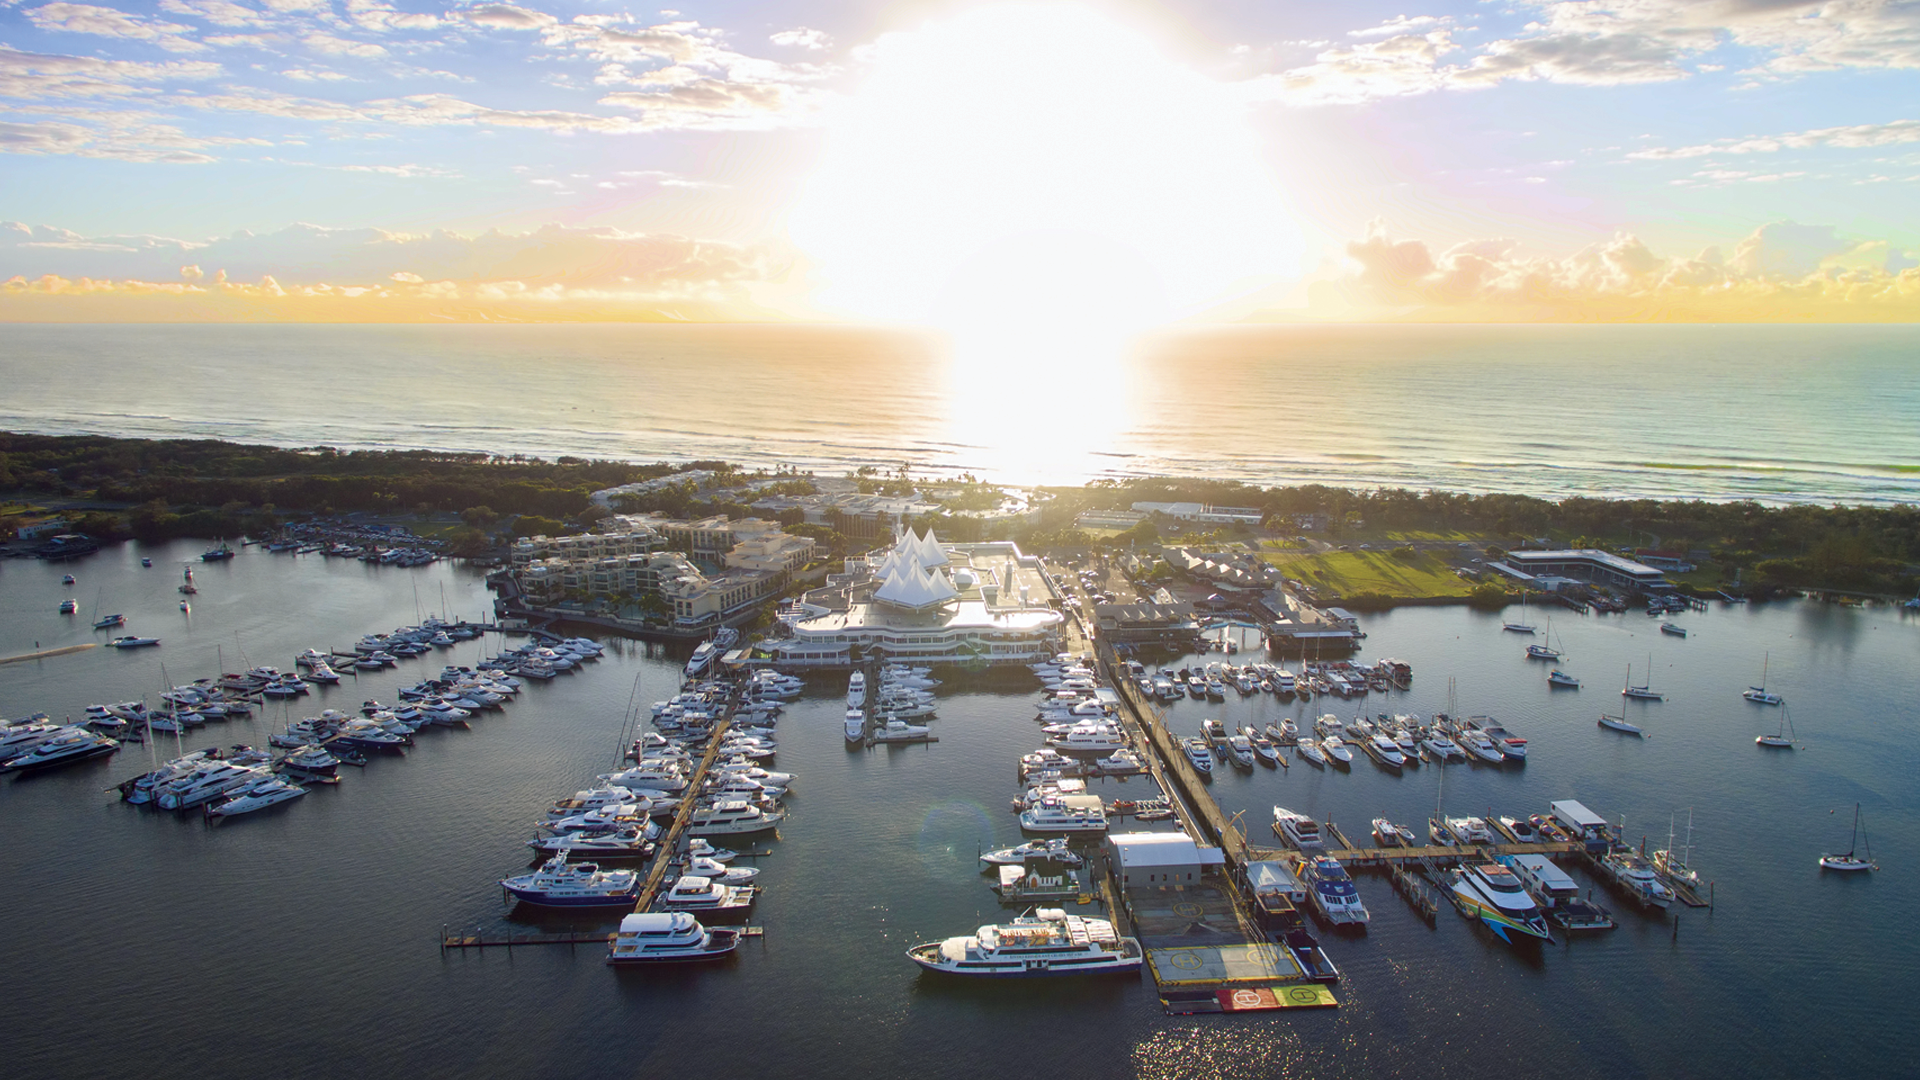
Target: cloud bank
(1782, 272)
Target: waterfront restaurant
(922, 601)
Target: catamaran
(1758, 694)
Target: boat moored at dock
(1492, 893)
(1046, 942)
(673, 937)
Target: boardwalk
(663, 856)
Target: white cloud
(39, 76)
(338, 46)
(507, 17)
(1850, 137)
(218, 12)
(1402, 24)
(381, 17)
(802, 38)
(113, 23)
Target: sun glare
(1026, 164)
(1040, 183)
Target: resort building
(1589, 564)
(923, 601)
(1204, 513)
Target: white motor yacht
(1065, 814)
(857, 690)
(1336, 750)
(1046, 942)
(1470, 830)
(64, 747)
(708, 898)
(1091, 739)
(1332, 891)
(715, 870)
(1298, 829)
(898, 730)
(1309, 750)
(732, 817)
(1200, 755)
(1638, 877)
(1054, 851)
(1240, 751)
(1384, 750)
(257, 795)
(674, 937)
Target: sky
(993, 166)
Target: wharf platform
(670, 841)
(45, 654)
(1376, 856)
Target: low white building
(1160, 858)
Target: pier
(45, 654)
(663, 854)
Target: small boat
(131, 642)
(1047, 941)
(69, 607)
(1385, 751)
(1556, 677)
(1386, 833)
(67, 579)
(1853, 859)
(1636, 875)
(148, 563)
(1520, 829)
(1643, 692)
(217, 554)
(1619, 723)
(673, 937)
(108, 622)
(1673, 628)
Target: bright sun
(1037, 170)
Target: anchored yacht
(1046, 942)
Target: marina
(953, 794)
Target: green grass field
(1353, 572)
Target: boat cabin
(1548, 883)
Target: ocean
(1772, 413)
(303, 941)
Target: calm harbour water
(1775, 413)
(302, 942)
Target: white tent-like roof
(915, 589)
(929, 551)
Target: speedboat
(1332, 891)
(1045, 942)
(1673, 628)
(108, 622)
(69, 607)
(1491, 893)
(559, 884)
(1054, 850)
(1520, 829)
(131, 642)
(1300, 830)
(1309, 750)
(673, 937)
(1336, 750)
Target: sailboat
(1547, 651)
(1850, 861)
(1678, 865)
(1758, 694)
(1782, 740)
(1437, 831)
(1520, 627)
(1645, 690)
(1619, 723)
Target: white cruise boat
(1332, 891)
(1064, 814)
(1046, 942)
(674, 937)
(1300, 830)
(732, 817)
(1491, 893)
(857, 690)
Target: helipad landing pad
(1260, 998)
(1249, 963)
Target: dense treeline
(198, 473)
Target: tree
(479, 517)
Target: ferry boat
(1046, 942)
(1298, 829)
(673, 937)
(1332, 891)
(1491, 893)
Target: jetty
(45, 654)
(670, 842)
